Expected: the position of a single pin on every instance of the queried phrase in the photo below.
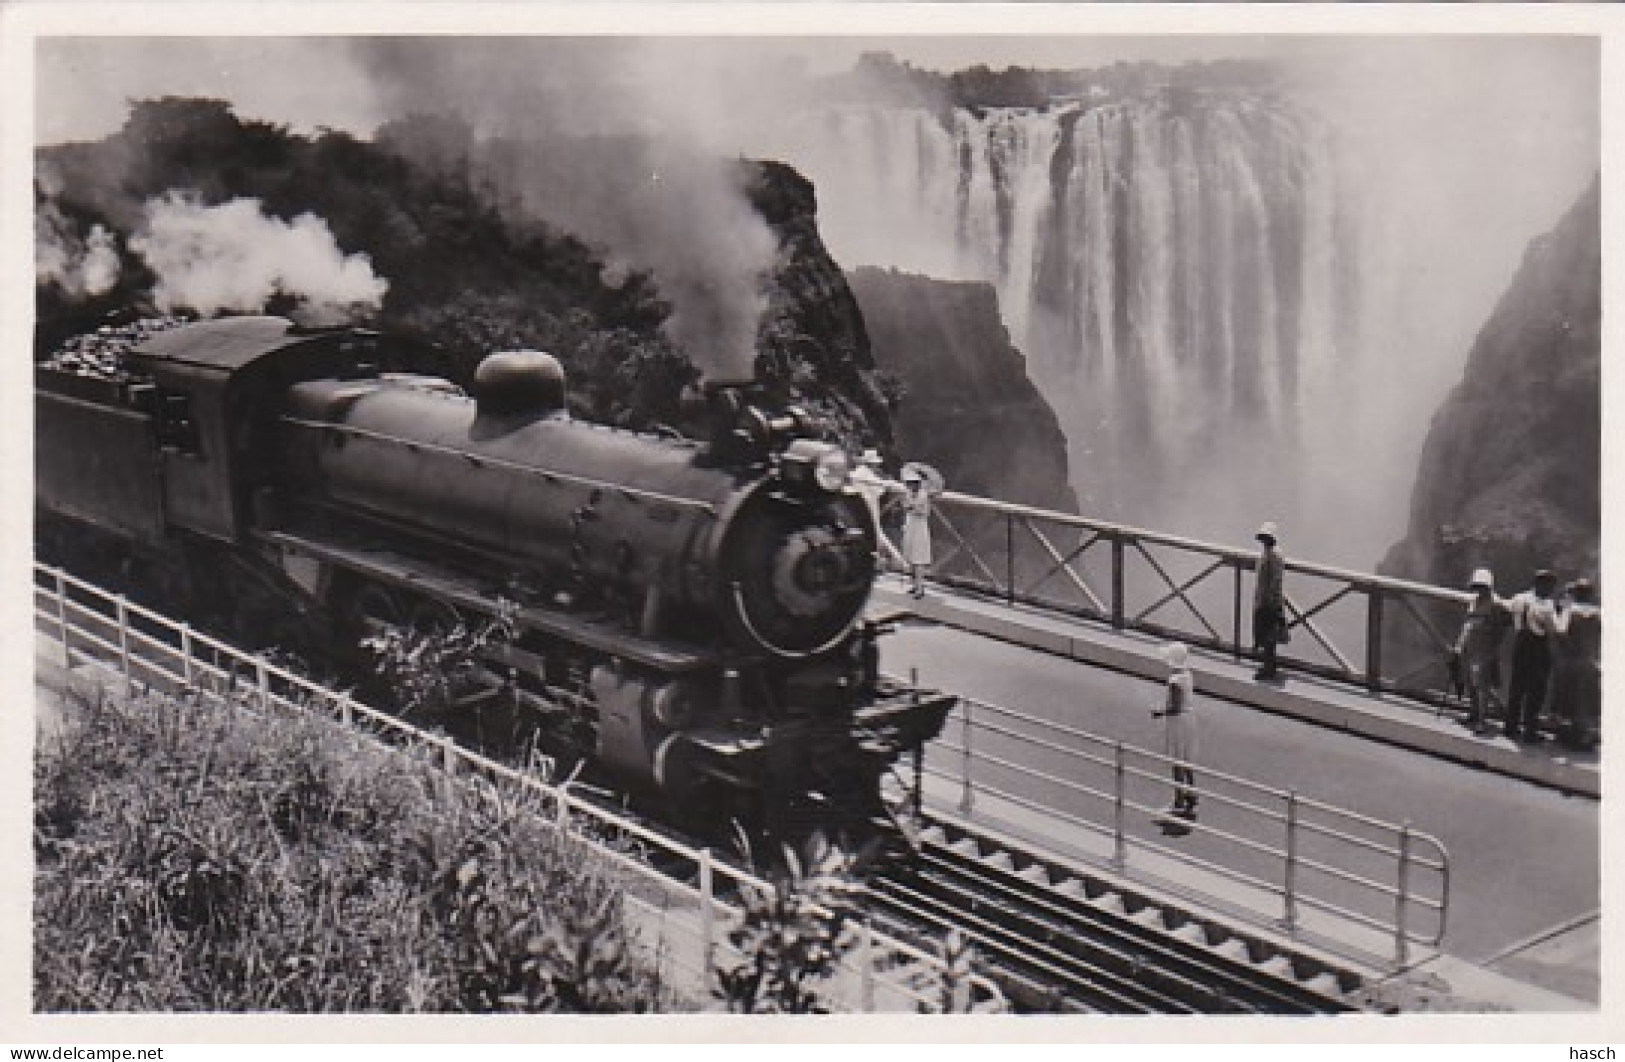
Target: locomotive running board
(413, 574)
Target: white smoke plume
(81, 267)
(594, 138)
(233, 258)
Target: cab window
(177, 430)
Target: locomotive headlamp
(807, 464)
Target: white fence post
(186, 653)
(346, 709)
(1290, 871)
(1119, 779)
(123, 614)
(1402, 896)
(707, 945)
(866, 956)
(262, 681)
(561, 808)
(967, 798)
(62, 618)
(448, 769)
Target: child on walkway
(1181, 729)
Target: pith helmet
(1267, 531)
(1481, 577)
(1176, 654)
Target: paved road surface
(1523, 858)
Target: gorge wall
(968, 407)
(1510, 476)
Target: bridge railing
(1311, 856)
(1387, 635)
(682, 912)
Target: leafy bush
(426, 670)
(193, 858)
(793, 935)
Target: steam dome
(519, 381)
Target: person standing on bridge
(1269, 602)
(916, 527)
(1534, 616)
(1577, 666)
(1479, 649)
(1180, 734)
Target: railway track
(1061, 940)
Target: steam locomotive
(688, 616)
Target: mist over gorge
(1245, 292)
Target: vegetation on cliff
(467, 270)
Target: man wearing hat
(1479, 648)
(1269, 602)
(1534, 618)
(1577, 665)
(916, 528)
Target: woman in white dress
(1180, 738)
(916, 528)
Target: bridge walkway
(1391, 718)
(1524, 857)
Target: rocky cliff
(967, 405)
(1510, 476)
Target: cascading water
(1170, 265)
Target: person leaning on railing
(1535, 618)
(1478, 647)
(1577, 666)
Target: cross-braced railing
(1387, 635)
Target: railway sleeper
(1137, 956)
(1306, 974)
(1093, 973)
(1064, 941)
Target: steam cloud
(234, 258)
(587, 136)
(80, 267)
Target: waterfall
(1168, 264)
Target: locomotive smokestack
(516, 382)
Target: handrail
(1390, 870)
(882, 955)
(1229, 553)
(1384, 634)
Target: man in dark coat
(1269, 602)
(1534, 615)
(1577, 666)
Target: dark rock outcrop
(967, 405)
(1510, 476)
(813, 340)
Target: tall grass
(193, 858)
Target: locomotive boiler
(687, 615)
